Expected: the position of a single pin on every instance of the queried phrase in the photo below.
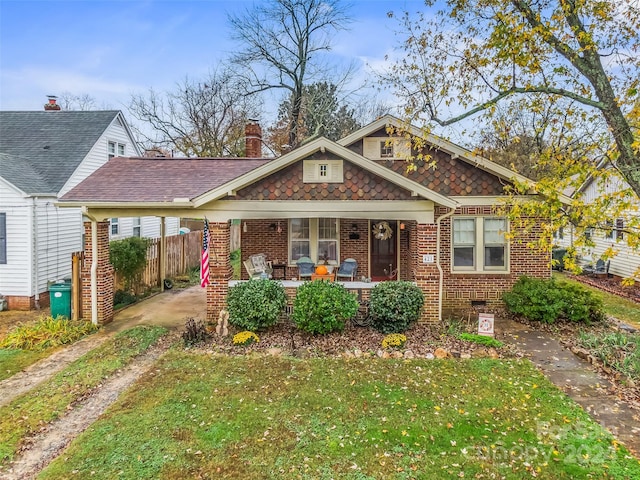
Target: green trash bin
(60, 299)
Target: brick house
(330, 201)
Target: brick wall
(260, 237)
(461, 289)
(105, 275)
(426, 274)
(220, 271)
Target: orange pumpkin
(321, 270)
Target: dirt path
(37, 373)
(44, 446)
(169, 309)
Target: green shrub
(122, 298)
(256, 304)
(323, 307)
(549, 301)
(47, 332)
(481, 339)
(394, 306)
(129, 259)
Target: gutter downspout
(94, 266)
(440, 272)
(34, 250)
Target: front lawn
(249, 417)
(32, 410)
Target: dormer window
(323, 170)
(386, 149)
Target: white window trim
(114, 222)
(479, 245)
(137, 224)
(386, 145)
(314, 239)
(116, 147)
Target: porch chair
(348, 269)
(257, 266)
(306, 267)
(600, 268)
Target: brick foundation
(24, 303)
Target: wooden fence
(182, 254)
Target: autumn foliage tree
(463, 58)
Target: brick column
(427, 276)
(105, 274)
(220, 271)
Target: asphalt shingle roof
(41, 150)
(141, 179)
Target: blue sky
(112, 49)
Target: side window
(137, 229)
(115, 226)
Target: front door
(384, 258)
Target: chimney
(52, 105)
(253, 139)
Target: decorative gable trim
(323, 145)
(439, 143)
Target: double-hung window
(115, 149)
(479, 244)
(300, 239)
(136, 227)
(115, 226)
(316, 238)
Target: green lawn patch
(13, 361)
(32, 410)
(259, 417)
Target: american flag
(204, 260)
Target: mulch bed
(612, 284)
(422, 342)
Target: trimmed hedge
(256, 304)
(394, 306)
(549, 301)
(323, 307)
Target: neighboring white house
(43, 155)
(627, 260)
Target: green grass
(32, 410)
(13, 361)
(267, 417)
(615, 306)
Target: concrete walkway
(577, 379)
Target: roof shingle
(141, 179)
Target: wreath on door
(382, 231)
